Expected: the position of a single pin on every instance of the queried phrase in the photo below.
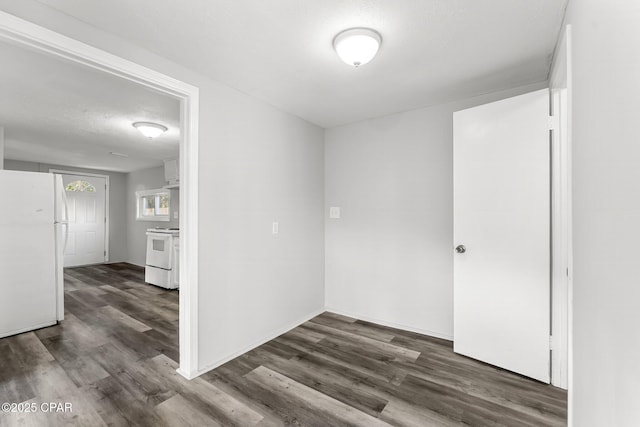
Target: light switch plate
(275, 228)
(334, 212)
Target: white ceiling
(59, 112)
(280, 51)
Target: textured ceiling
(59, 112)
(280, 51)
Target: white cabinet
(172, 172)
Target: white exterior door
(86, 201)
(502, 218)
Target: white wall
(389, 258)
(1, 147)
(257, 165)
(265, 166)
(145, 179)
(117, 202)
(606, 207)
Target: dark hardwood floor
(114, 359)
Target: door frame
(560, 86)
(30, 35)
(106, 203)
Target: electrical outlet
(334, 212)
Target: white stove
(162, 265)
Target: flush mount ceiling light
(150, 130)
(357, 46)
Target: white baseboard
(250, 347)
(123, 262)
(302, 320)
(391, 324)
(188, 375)
(134, 263)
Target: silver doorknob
(461, 249)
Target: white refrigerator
(33, 227)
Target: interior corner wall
(145, 179)
(606, 212)
(257, 165)
(389, 258)
(117, 202)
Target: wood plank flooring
(114, 359)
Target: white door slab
(502, 217)
(87, 219)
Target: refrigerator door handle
(66, 206)
(66, 220)
(66, 236)
(63, 212)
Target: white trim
(392, 324)
(189, 116)
(68, 172)
(560, 92)
(106, 203)
(269, 337)
(559, 277)
(568, 35)
(26, 33)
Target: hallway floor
(114, 358)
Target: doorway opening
(30, 36)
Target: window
(80, 185)
(153, 205)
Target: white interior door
(86, 199)
(502, 218)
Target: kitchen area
(162, 266)
(141, 219)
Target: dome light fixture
(357, 46)
(150, 130)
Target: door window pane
(80, 185)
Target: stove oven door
(159, 250)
